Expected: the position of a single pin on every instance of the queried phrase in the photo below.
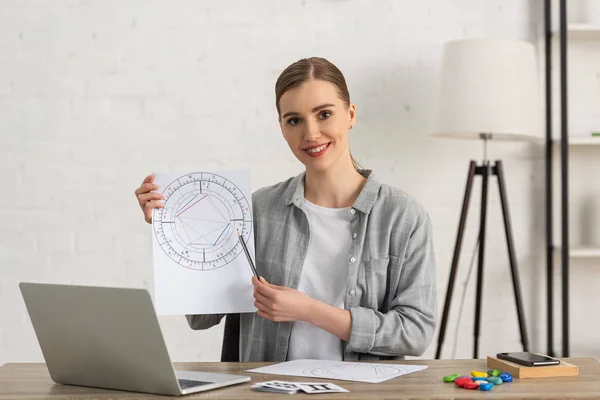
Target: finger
(149, 207)
(272, 286)
(256, 282)
(261, 307)
(264, 281)
(273, 317)
(263, 299)
(265, 289)
(265, 315)
(144, 198)
(149, 179)
(145, 188)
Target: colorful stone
(480, 379)
(494, 372)
(479, 374)
(495, 380)
(451, 378)
(506, 377)
(486, 386)
(461, 381)
(471, 386)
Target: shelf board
(582, 140)
(582, 251)
(582, 31)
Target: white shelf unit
(582, 251)
(582, 140)
(583, 38)
(582, 31)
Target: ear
(352, 115)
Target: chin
(317, 166)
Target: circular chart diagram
(360, 371)
(198, 227)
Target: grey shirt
(391, 290)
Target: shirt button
(354, 235)
(352, 259)
(352, 211)
(352, 292)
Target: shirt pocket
(376, 282)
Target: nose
(311, 131)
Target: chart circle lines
(198, 227)
(360, 371)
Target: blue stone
(506, 377)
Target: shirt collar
(363, 203)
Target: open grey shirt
(391, 291)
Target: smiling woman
(346, 263)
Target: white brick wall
(95, 95)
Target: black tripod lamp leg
(455, 257)
(511, 255)
(485, 173)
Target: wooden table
(31, 381)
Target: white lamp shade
(488, 86)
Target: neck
(337, 187)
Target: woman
(346, 263)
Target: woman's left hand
(280, 303)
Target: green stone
(451, 378)
(494, 372)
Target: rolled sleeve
(203, 321)
(364, 329)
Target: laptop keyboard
(188, 383)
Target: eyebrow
(289, 114)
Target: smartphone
(528, 359)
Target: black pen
(248, 255)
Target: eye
(324, 114)
(293, 121)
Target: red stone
(460, 382)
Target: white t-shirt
(323, 277)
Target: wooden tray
(521, 371)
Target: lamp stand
(485, 171)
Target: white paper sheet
(346, 371)
(199, 264)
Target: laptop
(109, 338)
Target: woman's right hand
(147, 199)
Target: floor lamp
(488, 91)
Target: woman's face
(315, 122)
